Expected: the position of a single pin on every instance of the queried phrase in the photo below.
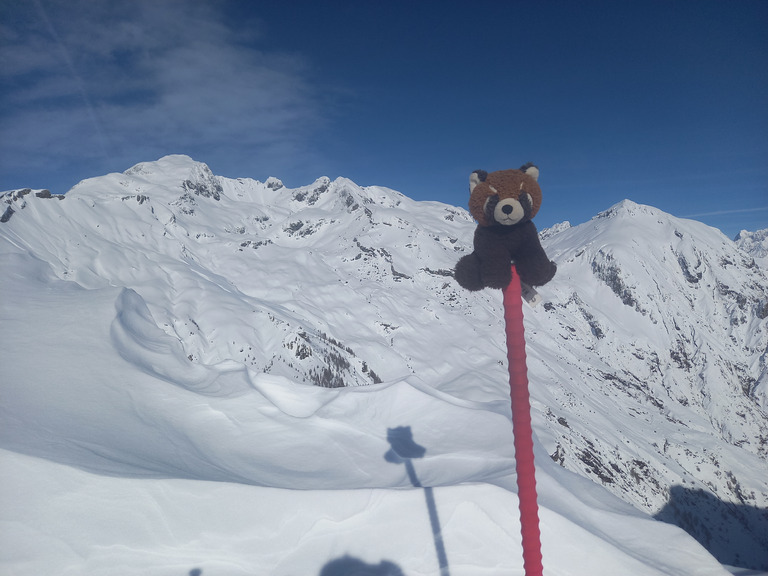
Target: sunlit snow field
(161, 339)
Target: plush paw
(538, 275)
(467, 273)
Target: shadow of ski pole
(403, 450)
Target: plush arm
(531, 261)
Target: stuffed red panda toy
(504, 203)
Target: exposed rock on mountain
(647, 359)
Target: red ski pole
(521, 427)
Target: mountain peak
(650, 341)
(170, 162)
(628, 208)
(754, 243)
(170, 176)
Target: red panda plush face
(506, 197)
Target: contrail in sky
(106, 146)
(721, 212)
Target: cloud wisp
(135, 80)
(724, 212)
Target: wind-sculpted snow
(139, 340)
(132, 405)
(179, 327)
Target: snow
(94, 524)
(157, 418)
(754, 243)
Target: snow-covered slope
(164, 324)
(755, 244)
(657, 326)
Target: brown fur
(498, 246)
(508, 185)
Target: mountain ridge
(647, 358)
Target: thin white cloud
(96, 78)
(723, 212)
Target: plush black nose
(507, 209)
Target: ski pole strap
(521, 427)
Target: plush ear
(476, 177)
(531, 170)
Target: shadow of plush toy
(348, 566)
(504, 203)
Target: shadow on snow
(735, 534)
(403, 449)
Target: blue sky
(664, 103)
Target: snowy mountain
(755, 244)
(665, 324)
(162, 328)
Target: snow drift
(199, 375)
